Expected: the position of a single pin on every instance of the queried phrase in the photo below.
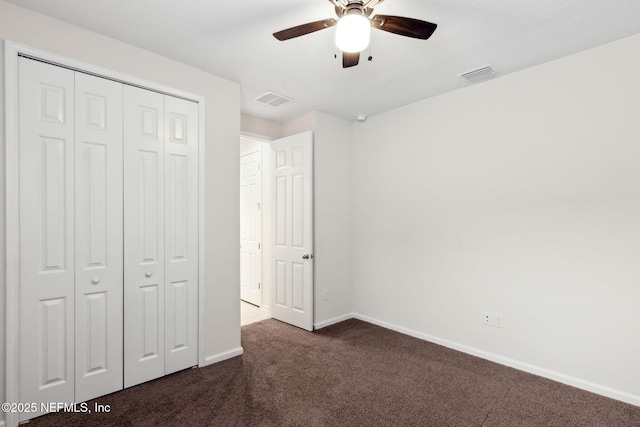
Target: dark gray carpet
(350, 374)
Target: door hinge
(258, 285)
(258, 246)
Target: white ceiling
(233, 39)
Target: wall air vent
(479, 75)
(273, 99)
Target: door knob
(307, 256)
(148, 274)
(95, 280)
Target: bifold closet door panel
(144, 293)
(181, 234)
(46, 126)
(99, 251)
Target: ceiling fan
(354, 24)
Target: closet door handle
(148, 274)
(95, 280)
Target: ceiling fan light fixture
(353, 33)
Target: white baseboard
(215, 358)
(329, 322)
(522, 366)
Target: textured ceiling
(233, 39)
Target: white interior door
(250, 228)
(292, 229)
(144, 207)
(46, 124)
(181, 234)
(98, 239)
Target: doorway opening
(276, 227)
(254, 227)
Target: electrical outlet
(487, 319)
(499, 321)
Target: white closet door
(46, 233)
(181, 234)
(144, 292)
(99, 253)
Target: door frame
(12, 51)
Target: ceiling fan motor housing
(354, 7)
(364, 6)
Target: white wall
(333, 204)
(222, 166)
(521, 197)
(252, 126)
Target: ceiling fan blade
(350, 59)
(303, 29)
(408, 27)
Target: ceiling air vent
(273, 99)
(479, 75)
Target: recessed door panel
(280, 158)
(148, 126)
(149, 206)
(96, 109)
(280, 281)
(281, 229)
(177, 315)
(54, 173)
(178, 128)
(151, 311)
(297, 286)
(253, 272)
(54, 338)
(297, 211)
(97, 342)
(93, 202)
(53, 105)
(177, 207)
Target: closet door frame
(12, 277)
